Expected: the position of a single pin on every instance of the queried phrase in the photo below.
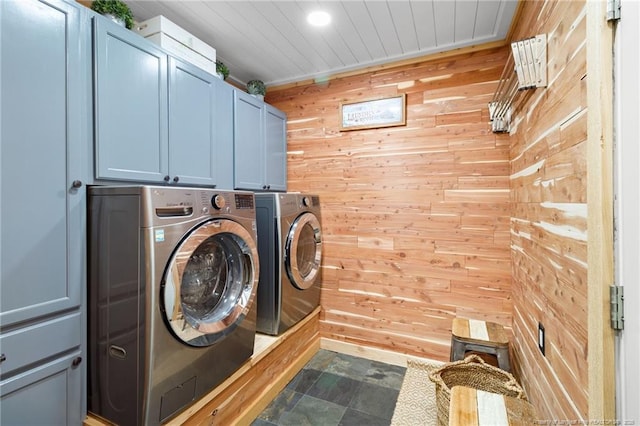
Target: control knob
(306, 201)
(218, 202)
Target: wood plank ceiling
(271, 40)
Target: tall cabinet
(43, 87)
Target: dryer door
(303, 251)
(210, 282)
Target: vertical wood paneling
(549, 217)
(415, 218)
(600, 131)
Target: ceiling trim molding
(394, 64)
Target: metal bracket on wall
(526, 68)
(613, 10)
(616, 294)
(530, 58)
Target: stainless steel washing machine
(173, 274)
(290, 250)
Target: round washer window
(304, 251)
(210, 282)
(212, 279)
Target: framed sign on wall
(373, 113)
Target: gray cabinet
(275, 127)
(224, 132)
(200, 145)
(130, 82)
(248, 143)
(156, 116)
(43, 86)
(260, 145)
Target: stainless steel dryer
(290, 250)
(173, 274)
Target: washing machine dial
(218, 202)
(306, 201)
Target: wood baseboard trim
(368, 352)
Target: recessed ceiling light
(319, 18)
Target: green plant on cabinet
(222, 70)
(256, 87)
(115, 8)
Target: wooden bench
(479, 336)
(472, 407)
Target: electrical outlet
(541, 337)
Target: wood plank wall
(549, 216)
(415, 218)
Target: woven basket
(472, 372)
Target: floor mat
(417, 398)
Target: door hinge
(616, 294)
(613, 10)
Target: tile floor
(337, 389)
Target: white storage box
(178, 42)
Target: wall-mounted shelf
(526, 68)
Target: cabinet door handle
(166, 178)
(176, 179)
(3, 358)
(76, 183)
(76, 361)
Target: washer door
(303, 251)
(210, 282)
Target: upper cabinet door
(130, 105)
(224, 134)
(248, 124)
(192, 125)
(276, 148)
(42, 194)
